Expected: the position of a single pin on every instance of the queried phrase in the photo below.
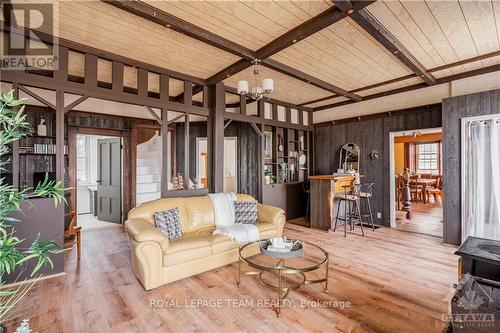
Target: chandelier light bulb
(243, 87)
(268, 85)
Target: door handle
(98, 181)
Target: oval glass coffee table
(287, 274)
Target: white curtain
(482, 179)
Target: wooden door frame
(129, 152)
(392, 172)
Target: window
(82, 159)
(428, 158)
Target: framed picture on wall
(268, 145)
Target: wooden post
(15, 150)
(407, 199)
(72, 183)
(60, 135)
(216, 139)
(164, 156)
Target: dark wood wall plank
(454, 109)
(370, 134)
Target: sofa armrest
(271, 214)
(141, 230)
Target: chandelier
(257, 91)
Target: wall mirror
(349, 158)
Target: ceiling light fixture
(257, 91)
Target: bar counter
(323, 189)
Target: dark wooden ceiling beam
(410, 76)
(232, 69)
(446, 79)
(285, 69)
(302, 31)
(306, 29)
(159, 16)
(373, 27)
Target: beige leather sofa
(157, 261)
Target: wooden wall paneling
(370, 134)
(248, 157)
(455, 108)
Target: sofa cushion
(188, 247)
(181, 257)
(221, 243)
(188, 242)
(245, 212)
(169, 222)
(266, 230)
(200, 213)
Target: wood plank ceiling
(346, 54)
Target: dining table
(424, 182)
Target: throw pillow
(169, 222)
(245, 212)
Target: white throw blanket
(224, 220)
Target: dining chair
(416, 191)
(72, 233)
(436, 189)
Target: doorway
(99, 181)
(416, 175)
(230, 162)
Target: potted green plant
(269, 177)
(15, 252)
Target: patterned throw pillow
(245, 212)
(169, 222)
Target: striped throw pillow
(245, 212)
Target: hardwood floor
(426, 219)
(396, 282)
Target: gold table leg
(239, 273)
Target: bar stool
(365, 194)
(351, 204)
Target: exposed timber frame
(304, 30)
(370, 24)
(416, 86)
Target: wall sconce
(373, 155)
